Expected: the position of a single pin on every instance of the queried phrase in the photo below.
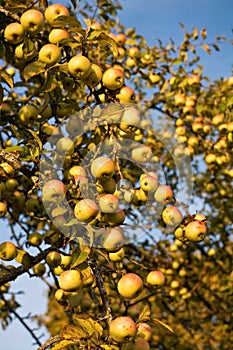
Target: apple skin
(65, 146)
(8, 251)
(53, 259)
(138, 344)
(113, 239)
(108, 203)
(142, 154)
(58, 34)
(126, 94)
(195, 231)
(54, 11)
(106, 185)
(94, 77)
(50, 54)
(130, 286)
(70, 280)
(79, 66)
(102, 167)
(14, 33)
(86, 210)
(53, 191)
(35, 239)
(77, 170)
(148, 182)
(172, 216)
(117, 256)
(113, 78)
(32, 21)
(3, 209)
(163, 194)
(144, 331)
(122, 328)
(155, 278)
(27, 113)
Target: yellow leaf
(74, 331)
(61, 345)
(162, 326)
(145, 314)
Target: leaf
(58, 211)
(206, 48)
(195, 33)
(68, 20)
(36, 137)
(216, 47)
(33, 69)
(104, 38)
(78, 257)
(162, 326)
(144, 315)
(1, 94)
(62, 343)
(88, 324)
(74, 331)
(6, 78)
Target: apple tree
(115, 181)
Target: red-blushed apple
(133, 51)
(122, 328)
(53, 11)
(144, 330)
(193, 79)
(163, 194)
(86, 210)
(50, 54)
(195, 231)
(126, 94)
(138, 344)
(113, 78)
(155, 278)
(130, 285)
(54, 191)
(102, 167)
(113, 239)
(79, 66)
(172, 216)
(70, 280)
(14, 33)
(8, 251)
(32, 21)
(78, 170)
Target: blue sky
(153, 19)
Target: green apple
(32, 21)
(79, 66)
(113, 78)
(14, 33)
(58, 34)
(52, 12)
(28, 113)
(94, 77)
(53, 191)
(70, 280)
(50, 54)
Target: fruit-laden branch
(13, 273)
(10, 14)
(14, 162)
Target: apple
(39, 269)
(32, 21)
(35, 239)
(117, 256)
(8, 251)
(102, 167)
(133, 51)
(200, 217)
(53, 11)
(11, 184)
(8, 169)
(130, 285)
(154, 78)
(53, 259)
(120, 39)
(126, 94)
(195, 231)
(58, 34)
(155, 278)
(144, 330)
(210, 158)
(86, 210)
(27, 113)
(65, 146)
(142, 154)
(113, 239)
(130, 119)
(3, 209)
(174, 284)
(50, 54)
(74, 126)
(14, 33)
(218, 119)
(122, 328)
(148, 182)
(24, 258)
(94, 77)
(163, 194)
(70, 280)
(130, 62)
(25, 51)
(106, 185)
(54, 191)
(113, 78)
(172, 215)
(79, 66)
(179, 99)
(108, 203)
(193, 79)
(77, 170)
(138, 344)
(114, 219)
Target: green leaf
(36, 137)
(105, 39)
(33, 69)
(89, 325)
(58, 211)
(68, 20)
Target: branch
(9, 14)
(14, 162)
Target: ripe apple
(195, 231)
(113, 78)
(102, 167)
(8, 251)
(113, 239)
(155, 278)
(70, 280)
(35, 239)
(3, 209)
(172, 215)
(133, 51)
(154, 78)
(86, 210)
(53, 259)
(144, 330)
(106, 185)
(114, 219)
(142, 154)
(179, 99)
(130, 62)
(27, 113)
(77, 170)
(54, 11)
(130, 286)
(108, 203)
(53, 191)
(126, 94)
(32, 21)
(130, 119)
(50, 54)
(79, 66)
(94, 77)
(14, 33)
(58, 34)
(163, 194)
(122, 328)
(65, 146)
(148, 182)
(174, 284)
(138, 344)
(117, 256)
